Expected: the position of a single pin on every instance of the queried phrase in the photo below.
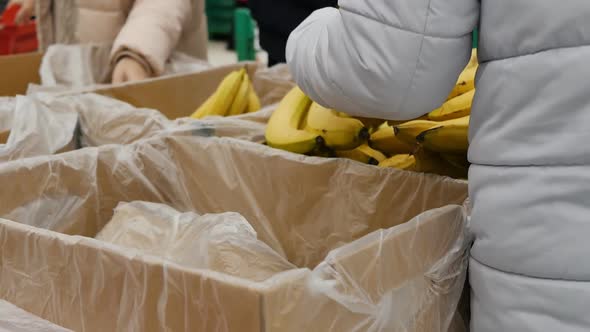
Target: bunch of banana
(302, 126)
(385, 140)
(439, 136)
(285, 126)
(364, 154)
(235, 95)
(429, 162)
(449, 137)
(339, 131)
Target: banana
(284, 130)
(465, 82)
(204, 109)
(473, 62)
(240, 103)
(394, 123)
(370, 123)
(431, 162)
(457, 107)
(363, 153)
(220, 101)
(401, 161)
(408, 131)
(384, 140)
(253, 101)
(450, 137)
(338, 130)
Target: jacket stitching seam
(533, 53)
(407, 92)
(389, 24)
(526, 275)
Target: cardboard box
(17, 72)
(362, 265)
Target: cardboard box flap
(18, 71)
(86, 285)
(406, 278)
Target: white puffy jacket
(398, 59)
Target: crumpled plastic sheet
(14, 319)
(376, 249)
(33, 129)
(46, 124)
(86, 65)
(223, 242)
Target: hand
(127, 70)
(25, 12)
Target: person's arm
(152, 31)
(389, 59)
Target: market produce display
(436, 142)
(235, 95)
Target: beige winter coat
(148, 30)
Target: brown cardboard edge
(19, 71)
(176, 96)
(38, 241)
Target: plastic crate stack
(16, 38)
(220, 15)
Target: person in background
(528, 183)
(144, 33)
(277, 18)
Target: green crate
(244, 35)
(220, 3)
(220, 28)
(220, 15)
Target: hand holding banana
(434, 143)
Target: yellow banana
(408, 131)
(457, 107)
(450, 137)
(253, 101)
(465, 82)
(370, 123)
(285, 126)
(384, 140)
(240, 103)
(220, 101)
(363, 153)
(338, 130)
(394, 123)
(204, 109)
(431, 162)
(473, 62)
(401, 161)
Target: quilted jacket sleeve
(390, 59)
(152, 30)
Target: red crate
(16, 38)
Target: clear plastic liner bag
(223, 242)
(47, 124)
(14, 319)
(375, 249)
(31, 128)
